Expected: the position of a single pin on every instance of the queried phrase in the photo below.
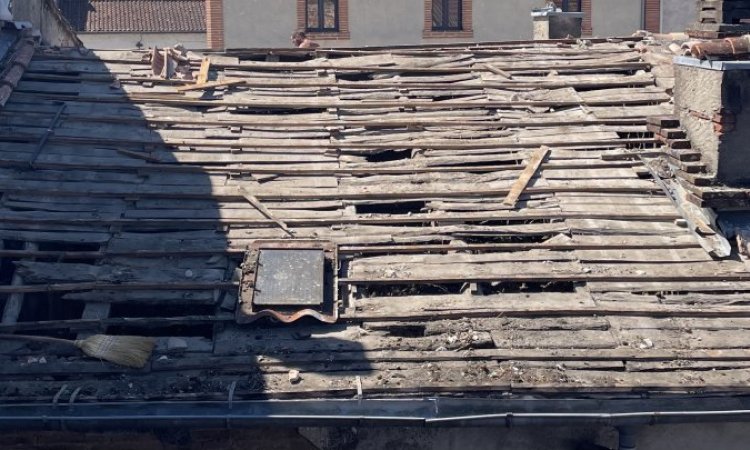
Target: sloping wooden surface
(135, 218)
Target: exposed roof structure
(129, 205)
(155, 16)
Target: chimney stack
(712, 90)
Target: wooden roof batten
(130, 211)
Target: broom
(129, 351)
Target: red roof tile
(167, 16)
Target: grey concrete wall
(385, 22)
(617, 17)
(269, 23)
(47, 20)
(259, 23)
(118, 41)
(714, 107)
(677, 15)
(503, 20)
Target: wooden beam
(203, 72)
(528, 173)
(15, 300)
(253, 200)
(500, 72)
(210, 85)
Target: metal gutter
(426, 412)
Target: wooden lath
(148, 194)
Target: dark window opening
(447, 15)
(571, 5)
(322, 16)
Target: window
(324, 20)
(571, 5)
(446, 15)
(448, 19)
(322, 16)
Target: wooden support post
(203, 73)
(15, 300)
(528, 173)
(96, 310)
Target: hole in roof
(397, 208)
(388, 155)
(410, 289)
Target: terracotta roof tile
(135, 15)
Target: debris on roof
(718, 19)
(125, 212)
(147, 16)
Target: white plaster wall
(269, 23)
(617, 17)
(259, 23)
(677, 15)
(123, 41)
(502, 20)
(385, 22)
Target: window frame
(446, 19)
(565, 6)
(321, 17)
(342, 18)
(467, 25)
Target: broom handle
(23, 337)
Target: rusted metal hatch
(288, 280)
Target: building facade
(129, 24)
(352, 23)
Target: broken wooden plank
(210, 85)
(528, 173)
(203, 72)
(253, 200)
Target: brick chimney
(215, 24)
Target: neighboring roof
(125, 209)
(16, 52)
(159, 16)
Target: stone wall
(714, 108)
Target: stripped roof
(148, 16)
(132, 216)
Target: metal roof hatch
(288, 280)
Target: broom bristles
(129, 351)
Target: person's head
(298, 38)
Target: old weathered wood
(253, 200)
(150, 191)
(528, 173)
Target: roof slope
(130, 217)
(157, 16)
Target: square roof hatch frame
(287, 280)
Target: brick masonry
(215, 24)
